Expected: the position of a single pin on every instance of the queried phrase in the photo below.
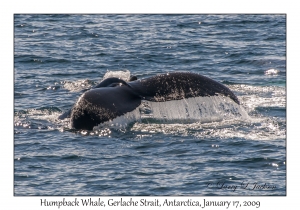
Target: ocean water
(57, 57)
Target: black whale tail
(114, 97)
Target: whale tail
(114, 97)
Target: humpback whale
(114, 97)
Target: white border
(9, 8)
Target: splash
(253, 97)
(42, 118)
(271, 72)
(76, 86)
(198, 109)
(85, 84)
(124, 75)
(190, 110)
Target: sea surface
(58, 57)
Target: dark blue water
(56, 57)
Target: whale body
(114, 97)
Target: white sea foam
(254, 129)
(272, 72)
(82, 84)
(76, 86)
(124, 75)
(260, 96)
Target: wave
(39, 59)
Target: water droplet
(83, 132)
(271, 72)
